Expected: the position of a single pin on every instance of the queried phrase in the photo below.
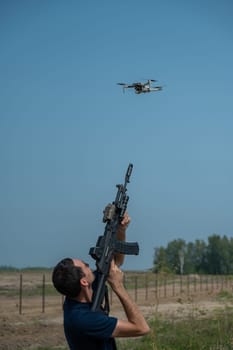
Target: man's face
(86, 270)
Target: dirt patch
(33, 328)
(25, 333)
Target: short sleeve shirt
(87, 330)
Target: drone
(140, 88)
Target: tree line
(212, 257)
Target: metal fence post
(43, 294)
(20, 293)
(136, 288)
(146, 285)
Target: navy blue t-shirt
(87, 330)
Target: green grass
(225, 296)
(192, 333)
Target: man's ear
(84, 282)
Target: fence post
(207, 282)
(216, 282)
(195, 284)
(181, 285)
(227, 282)
(136, 288)
(20, 293)
(156, 286)
(165, 286)
(43, 293)
(173, 286)
(146, 285)
(188, 285)
(212, 283)
(222, 282)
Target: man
(88, 330)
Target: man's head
(70, 276)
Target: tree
(218, 255)
(160, 260)
(171, 258)
(195, 259)
(175, 249)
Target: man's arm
(121, 234)
(135, 325)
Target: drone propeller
(124, 86)
(152, 80)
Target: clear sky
(68, 133)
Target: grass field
(188, 314)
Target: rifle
(108, 244)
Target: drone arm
(156, 88)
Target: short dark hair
(66, 278)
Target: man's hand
(125, 222)
(115, 277)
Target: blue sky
(68, 133)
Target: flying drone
(140, 88)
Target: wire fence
(35, 290)
(147, 287)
